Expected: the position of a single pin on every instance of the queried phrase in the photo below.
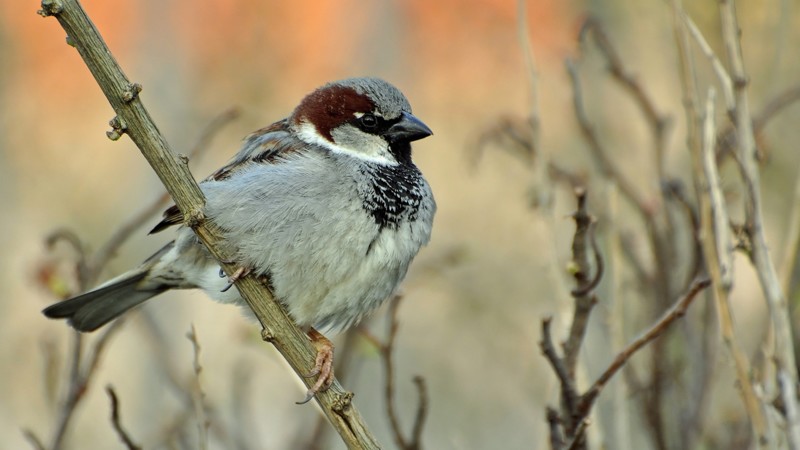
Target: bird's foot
(240, 273)
(323, 365)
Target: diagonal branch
(675, 312)
(658, 123)
(134, 120)
(604, 161)
(98, 261)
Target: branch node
(740, 82)
(267, 336)
(118, 128)
(50, 8)
(131, 92)
(194, 218)
(343, 401)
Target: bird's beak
(408, 129)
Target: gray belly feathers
(333, 249)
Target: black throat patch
(392, 193)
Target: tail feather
(90, 311)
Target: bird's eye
(368, 121)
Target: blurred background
(474, 298)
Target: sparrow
(327, 205)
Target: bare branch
(99, 259)
(784, 358)
(386, 350)
(569, 393)
(606, 165)
(115, 421)
(581, 268)
(82, 261)
(80, 378)
(541, 192)
(775, 106)
(657, 122)
(198, 396)
(34, 440)
(675, 312)
(134, 120)
(716, 64)
(598, 264)
(695, 130)
(721, 231)
(422, 410)
(523, 35)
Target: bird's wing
(264, 146)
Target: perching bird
(326, 204)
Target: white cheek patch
(374, 148)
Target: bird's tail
(90, 311)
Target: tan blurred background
(474, 297)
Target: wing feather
(264, 146)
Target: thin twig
(792, 240)
(675, 312)
(583, 294)
(115, 421)
(598, 264)
(34, 440)
(657, 122)
(541, 191)
(80, 378)
(82, 261)
(775, 106)
(606, 165)
(422, 409)
(619, 434)
(388, 363)
(523, 35)
(720, 221)
(727, 141)
(198, 396)
(386, 350)
(569, 393)
(716, 64)
(676, 191)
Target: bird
(326, 205)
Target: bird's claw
(309, 395)
(323, 366)
(311, 374)
(240, 273)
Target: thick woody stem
(134, 120)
